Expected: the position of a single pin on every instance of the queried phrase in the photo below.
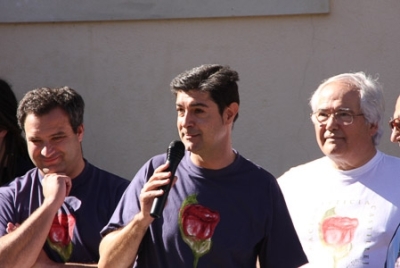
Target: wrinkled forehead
(337, 95)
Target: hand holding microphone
(175, 152)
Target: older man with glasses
(344, 205)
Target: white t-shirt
(344, 218)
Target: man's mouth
(49, 161)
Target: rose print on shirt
(197, 224)
(61, 233)
(337, 233)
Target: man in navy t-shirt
(223, 211)
(54, 213)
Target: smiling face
(204, 131)
(349, 146)
(53, 145)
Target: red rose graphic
(61, 229)
(197, 224)
(338, 231)
(60, 235)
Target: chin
(335, 154)
(188, 145)
(190, 149)
(331, 150)
(54, 169)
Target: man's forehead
(50, 123)
(193, 97)
(398, 103)
(335, 96)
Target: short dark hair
(218, 80)
(41, 101)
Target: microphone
(175, 152)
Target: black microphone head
(175, 151)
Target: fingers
(174, 181)
(68, 184)
(11, 227)
(153, 185)
(56, 187)
(162, 168)
(152, 188)
(160, 177)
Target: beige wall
(123, 70)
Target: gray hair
(372, 102)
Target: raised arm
(28, 239)
(119, 248)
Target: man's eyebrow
(338, 109)
(59, 133)
(196, 104)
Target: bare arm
(120, 247)
(28, 239)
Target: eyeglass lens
(395, 123)
(341, 117)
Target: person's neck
(342, 164)
(214, 161)
(79, 169)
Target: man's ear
(231, 112)
(79, 132)
(373, 128)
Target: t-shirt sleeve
(393, 252)
(284, 179)
(6, 208)
(282, 247)
(129, 204)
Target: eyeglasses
(394, 123)
(341, 117)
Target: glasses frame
(394, 123)
(335, 117)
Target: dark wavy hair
(220, 81)
(41, 101)
(15, 160)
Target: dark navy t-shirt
(214, 218)
(75, 233)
